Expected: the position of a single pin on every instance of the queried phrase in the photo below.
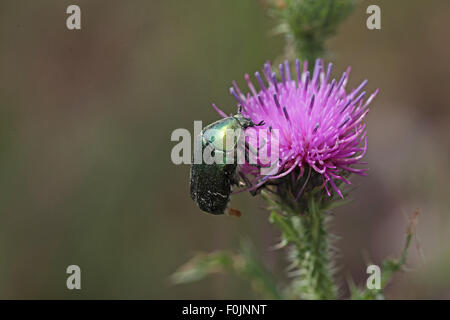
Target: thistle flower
(321, 126)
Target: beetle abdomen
(211, 186)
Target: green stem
(307, 24)
(310, 254)
(313, 256)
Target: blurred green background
(85, 124)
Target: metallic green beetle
(211, 184)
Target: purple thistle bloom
(321, 126)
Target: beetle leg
(247, 158)
(249, 148)
(263, 144)
(249, 184)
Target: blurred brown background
(85, 124)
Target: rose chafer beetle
(211, 183)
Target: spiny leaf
(390, 266)
(202, 265)
(243, 264)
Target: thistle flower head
(321, 125)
